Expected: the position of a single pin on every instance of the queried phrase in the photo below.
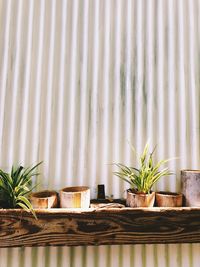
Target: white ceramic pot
(75, 197)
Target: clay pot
(75, 197)
(190, 183)
(44, 199)
(135, 199)
(169, 199)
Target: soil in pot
(169, 199)
(135, 200)
(75, 197)
(44, 199)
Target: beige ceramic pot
(75, 197)
(136, 200)
(169, 199)
(44, 199)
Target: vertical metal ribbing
(159, 83)
(4, 67)
(117, 112)
(139, 82)
(104, 141)
(194, 92)
(26, 83)
(149, 72)
(47, 97)
(182, 85)
(72, 92)
(81, 79)
(93, 119)
(15, 87)
(36, 86)
(171, 88)
(128, 88)
(82, 143)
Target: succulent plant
(143, 178)
(15, 187)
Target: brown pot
(44, 199)
(190, 182)
(75, 197)
(135, 200)
(169, 199)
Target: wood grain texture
(99, 226)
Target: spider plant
(15, 186)
(143, 178)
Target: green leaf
(148, 173)
(15, 186)
(23, 206)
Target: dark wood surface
(99, 226)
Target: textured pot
(169, 199)
(190, 182)
(75, 197)
(44, 199)
(135, 200)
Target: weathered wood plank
(99, 226)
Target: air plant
(143, 178)
(15, 187)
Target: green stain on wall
(59, 257)
(84, 258)
(155, 256)
(96, 258)
(120, 255)
(167, 255)
(143, 255)
(191, 255)
(179, 259)
(47, 257)
(34, 256)
(71, 255)
(132, 253)
(108, 258)
(21, 257)
(122, 85)
(9, 257)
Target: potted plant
(142, 179)
(15, 187)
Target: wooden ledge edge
(99, 210)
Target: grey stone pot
(190, 183)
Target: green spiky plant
(143, 178)
(15, 187)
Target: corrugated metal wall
(81, 79)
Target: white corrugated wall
(79, 80)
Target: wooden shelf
(99, 226)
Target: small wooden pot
(44, 199)
(75, 197)
(190, 183)
(135, 200)
(169, 199)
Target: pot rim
(44, 194)
(74, 189)
(190, 170)
(139, 193)
(169, 194)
